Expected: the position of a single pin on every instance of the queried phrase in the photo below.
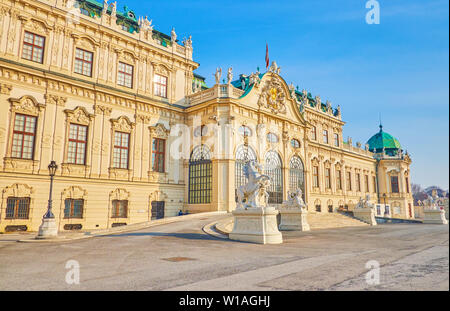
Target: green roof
(383, 140)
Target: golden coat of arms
(273, 96)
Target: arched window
(243, 155)
(245, 131)
(295, 143)
(272, 138)
(200, 176)
(297, 175)
(274, 171)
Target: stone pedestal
(293, 219)
(256, 225)
(48, 229)
(366, 214)
(434, 216)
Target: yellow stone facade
(52, 93)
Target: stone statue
(243, 83)
(295, 200)
(105, 6)
(173, 35)
(218, 75)
(365, 203)
(230, 75)
(145, 24)
(114, 9)
(275, 68)
(256, 188)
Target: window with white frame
(125, 75)
(33, 47)
(160, 86)
(83, 62)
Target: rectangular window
(24, 133)
(119, 209)
(83, 62)
(327, 178)
(338, 180)
(158, 155)
(125, 75)
(349, 181)
(313, 133)
(33, 47)
(336, 140)
(121, 146)
(325, 136)
(394, 184)
(160, 86)
(73, 208)
(374, 180)
(407, 185)
(76, 153)
(358, 182)
(366, 182)
(316, 176)
(17, 208)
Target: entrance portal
(158, 210)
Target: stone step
(322, 221)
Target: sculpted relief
(273, 96)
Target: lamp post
(48, 227)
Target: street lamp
(52, 171)
(48, 227)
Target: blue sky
(398, 69)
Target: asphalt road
(179, 256)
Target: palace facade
(137, 135)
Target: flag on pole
(267, 56)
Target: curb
(128, 228)
(211, 229)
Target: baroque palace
(137, 135)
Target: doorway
(158, 210)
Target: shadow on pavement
(188, 236)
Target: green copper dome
(384, 140)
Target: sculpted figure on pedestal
(254, 193)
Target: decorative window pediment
(26, 105)
(74, 192)
(119, 195)
(159, 131)
(36, 26)
(79, 115)
(315, 161)
(122, 124)
(18, 191)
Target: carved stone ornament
(26, 104)
(18, 191)
(273, 96)
(159, 131)
(74, 192)
(79, 115)
(119, 195)
(122, 124)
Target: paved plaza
(180, 256)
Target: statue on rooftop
(230, 75)
(173, 35)
(218, 75)
(105, 6)
(145, 24)
(114, 9)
